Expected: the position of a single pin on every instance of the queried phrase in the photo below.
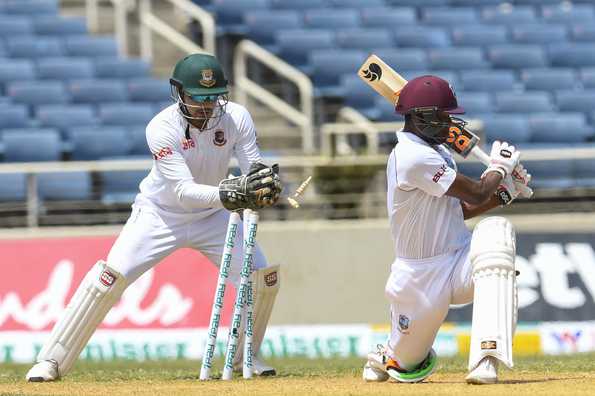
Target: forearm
(195, 196)
(471, 210)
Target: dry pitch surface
(569, 375)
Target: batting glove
(503, 158)
(521, 180)
(507, 191)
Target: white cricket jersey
(186, 172)
(424, 221)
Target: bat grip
(481, 155)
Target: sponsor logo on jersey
(107, 278)
(403, 324)
(439, 174)
(270, 279)
(489, 345)
(208, 79)
(219, 138)
(188, 144)
(164, 152)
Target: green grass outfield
(567, 375)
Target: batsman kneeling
(185, 201)
(439, 262)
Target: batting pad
(492, 255)
(100, 289)
(266, 287)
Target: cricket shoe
(486, 372)
(420, 373)
(259, 368)
(46, 370)
(375, 367)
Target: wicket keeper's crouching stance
(438, 261)
(182, 203)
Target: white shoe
(486, 372)
(46, 370)
(259, 368)
(375, 369)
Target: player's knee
(493, 244)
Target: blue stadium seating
(230, 12)
(137, 135)
(65, 186)
(572, 54)
(475, 102)
(525, 102)
(539, 34)
(329, 65)
(359, 95)
(548, 79)
(98, 91)
(517, 56)
(364, 39)
(106, 67)
(479, 35)
(38, 92)
(461, 59)
(583, 33)
(125, 114)
(513, 16)
(29, 7)
(581, 101)
(421, 37)
(93, 46)
(14, 187)
(34, 47)
(322, 18)
(471, 169)
(94, 143)
(299, 5)
(559, 128)
(65, 68)
(417, 3)
(475, 2)
(403, 58)
(16, 70)
(488, 80)
(31, 145)
(263, 25)
(295, 44)
(378, 17)
(64, 117)
(551, 174)
(563, 13)
(583, 173)
(587, 77)
(14, 116)
(120, 187)
(512, 128)
(149, 90)
(57, 25)
(449, 16)
(11, 26)
(387, 110)
(356, 3)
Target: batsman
(439, 262)
(185, 201)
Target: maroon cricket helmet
(428, 91)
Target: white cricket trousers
(420, 292)
(150, 235)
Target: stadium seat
(471, 169)
(31, 145)
(57, 25)
(29, 7)
(576, 101)
(263, 25)
(299, 5)
(106, 67)
(479, 35)
(65, 68)
(488, 80)
(449, 16)
(555, 174)
(149, 90)
(587, 77)
(517, 56)
(403, 58)
(559, 128)
(120, 186)
(474, 3)
(125, 114)
(548, 79)
(38, 92)
(295, 44)
(329, 65)
(475, 102)
(583, 172)
(14, 116)
(568, 13)
(364, 39)
(417, 3)
(15, 26)
(513, 128)
(65, 186)
(93, 143)
(387, 110)
(64, 117)
(524, 102)
(230, 12)
(377, 17)
(16, 70)
(583, 33)
(329, 18)
(572, 54)
(14, 187)
(509, 15)
(92, 46)
(359, 95)
(98, 91)
(461, 59)
(421, 37)
(539, 34)
(355, 3)
(34, 47)
(137, 134)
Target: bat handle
(481, 155)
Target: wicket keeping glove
(258, 189)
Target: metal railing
(244, 87)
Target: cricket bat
(388, 83)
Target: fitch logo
(107, 278)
